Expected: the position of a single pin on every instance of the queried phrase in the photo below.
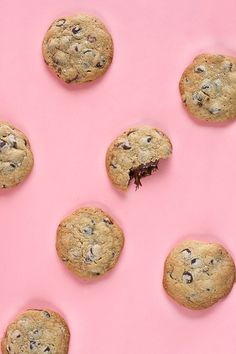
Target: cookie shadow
(191, 313)
(203, 123)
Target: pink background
(70, 128)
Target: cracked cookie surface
(78, 48)
(208, 87)
(198, 274)
(89, 242)
(135, 154)
(38, 332)
(16, 158)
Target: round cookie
(38, 332)
(208, 87)
(198, 274)
(78, 48)
(135, 154)
(89, 242)
(16, 158)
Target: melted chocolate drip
(141, 171)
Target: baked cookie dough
(135, 154)
(89, 242)
(78, 48)
(16, 158)
(37, 332)
(198, 274)
(208, 87)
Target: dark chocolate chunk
(33, 344)
(60, 22)
(187, 277)
(101, 63)
(141, 171)
(46, 314)
(47, 349)
(12, 165)
(91, 39)
(76, 29)
(186, 250)
(108, 221)
(2, 143)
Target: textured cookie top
(38, 332)
(78, 48)
(135, 154)
(208, 87)
(198, 274)
(16, 158)
(89, 242)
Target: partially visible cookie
(89, 242)
(135, 154)
(78, 48)
(198, 274)
(16, 158)
(37, 332)
(208, 87)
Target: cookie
(198, 274)
(37, 332)
(208, 87)
(89, 242)
(135, 154)
(16, 158)
(78, 48)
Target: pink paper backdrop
(127, 311)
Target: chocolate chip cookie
(198, 274)
(16, 158)
(78, 48)
(89, 242)
(135, 154)
(208, 87)
(38, 332)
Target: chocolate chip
(87, 51)
(131, 132)
(8, 348)
(125, 145)
(2, 144)
(60, 22)
(87, 230)
(101, 63)
(149, 139)
(33, 344)
(208, 289)
(141, 171)
(46, 314)
(47, 349)
(197, 98)
(186, 253)
(76, 29)
(196, 262)
(91, 39)
(187, 277)
(76, 48)
(214, 110)
(200, 69)
(108, 221)
(12, 165)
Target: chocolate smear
(141, 171)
